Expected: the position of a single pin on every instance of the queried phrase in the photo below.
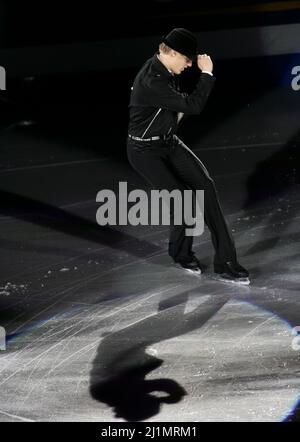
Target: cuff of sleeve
(207, 72)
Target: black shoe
(192, 266)
(231, 270)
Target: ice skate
(192, 266)
(231, 272)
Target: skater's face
(179, 62)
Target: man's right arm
(161, 94)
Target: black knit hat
(183, 41)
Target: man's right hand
(204, 63)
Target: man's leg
(151, 163)
(193, 173)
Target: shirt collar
(160, 67)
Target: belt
(158, 137)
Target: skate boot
(232, 271)
(192, 266)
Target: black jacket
(156, 88)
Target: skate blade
(194, 272)
(240, 281)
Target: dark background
(60, 82)
(46, 23)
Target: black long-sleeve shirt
(155, 93)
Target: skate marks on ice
(229, 357)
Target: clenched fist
(204, 62)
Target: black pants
(171, 165)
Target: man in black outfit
(155, 152)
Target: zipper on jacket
(151, 122)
